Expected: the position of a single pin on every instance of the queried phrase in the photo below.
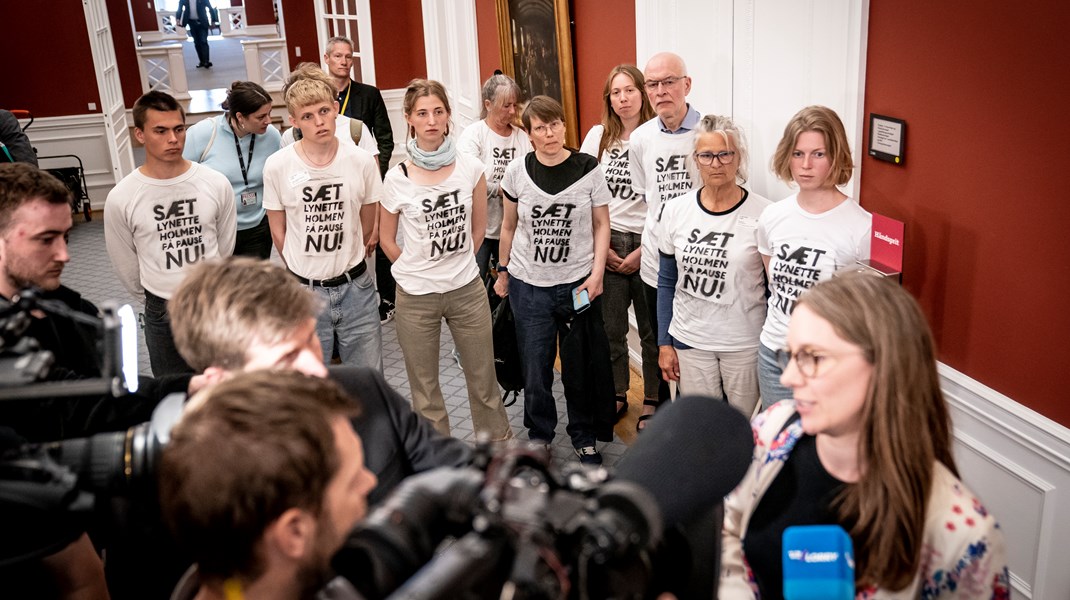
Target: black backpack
(506, 352)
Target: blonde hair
(825, 121)
(419, 88)
(885, 509)
(308, 85)
(223, 307)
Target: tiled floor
(90, 272)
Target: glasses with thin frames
(653, 84)
(554, 126)
(808, 361)
(723, 158)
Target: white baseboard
(84, 136)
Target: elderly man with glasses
(662, 167)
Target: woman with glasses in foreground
(555, 237)
(711, 281)
(866, 445)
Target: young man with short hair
(164, 217)
(322, 204)
(265, 522)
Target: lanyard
(241, 161)
(345, 102)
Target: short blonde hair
(825, 121)
(308, 85)
(223, 307)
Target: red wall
(125, 52)
(604, 38)
(398, 36)
(300, 18)
(48, 79)
(490, 56)
(259, 12)
(144, 14)
(984, 95)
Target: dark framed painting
(536, 47)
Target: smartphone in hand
(580, 300)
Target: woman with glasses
(236, 144)
(711, 281)
(865, 445)
(555, 237)
(436, 197)
(808, 236)
(496, 140)
(625, 107)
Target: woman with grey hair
(496, 140)
(711, 281)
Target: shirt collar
(690, 121)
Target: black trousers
(199, 32)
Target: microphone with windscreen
(818, 563)
(690, 456)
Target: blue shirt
(223, 157)
(690, 121)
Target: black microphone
(690, 456)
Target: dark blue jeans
(539, 312)
(163, 356)
(255, 241)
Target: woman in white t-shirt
(431, 196)
(625, 107)
(555, 237)
(806, 237)
(496, 140)
(711, 280)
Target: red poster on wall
(886, 246)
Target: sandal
(639, 425)
(623, 409)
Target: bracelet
(502, 269)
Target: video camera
(47, 490)
(513, 526)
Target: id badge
(248, 198)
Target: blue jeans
(769, 378)
(351, 313)
(486, 250)
(536, 311)
(164, 358)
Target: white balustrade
(266, 62)
(232, 21)
(163, 68)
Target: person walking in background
(246, 121)
(364, 102)
(625, 106)
(496, 140)
(711, 284)
(808, 236)
(199, 16)
(437, 197)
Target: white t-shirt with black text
(435, 222)
(627, 211)
(324, 236)
(496, 152)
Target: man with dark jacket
(199, 15)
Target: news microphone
(690, 457)
(819, 563)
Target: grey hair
(338, 39)
(493, 88)
(733, 137)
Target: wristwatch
(502, 269)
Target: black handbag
(507, 367)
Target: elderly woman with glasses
(711, 285)
(555, 237)
(865, 445)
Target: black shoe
(208, 65)
(386, 312)
(589, 455)
(200, 65)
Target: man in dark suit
(199, 17)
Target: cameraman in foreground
(265, 522)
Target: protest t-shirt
(627, 210)
(496, 152)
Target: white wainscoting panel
(84, 136)
(1018, 462)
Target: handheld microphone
(690, 456)
(818, 563)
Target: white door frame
(452, 54)
(112, 107)
(346, 23)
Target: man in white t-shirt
(322, 200)
(164, 217)
(661, 164)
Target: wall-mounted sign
(886, 138)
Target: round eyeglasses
(808, 361)
(723, 158)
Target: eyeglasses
(652, 84)
(554, 126)
(723, 158)
(808, 361)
